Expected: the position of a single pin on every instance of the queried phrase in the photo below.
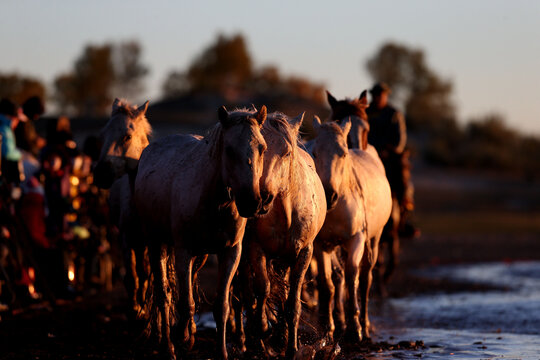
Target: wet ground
(496, 317)
(503, 322)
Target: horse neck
(210, 168)
(350, 182)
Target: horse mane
(278, 123)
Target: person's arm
(9, 150)
(398, 121)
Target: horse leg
(326, 291)
(293, 306)
(236, 318)
(162, 294)
(352, 270)
(130, 280)
(367, 264)
(257, 322)
(186, 304)
(228, 264)
(141, 268)
(338, 278)
(393, 237)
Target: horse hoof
(167, 353)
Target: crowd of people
(53, 221)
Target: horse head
(124, 138)
(242, 157)
(281, 135)
(330, 153)
(356, 110)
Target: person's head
(379, 93)
(33, 107)
(10, 109)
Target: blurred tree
(175, 85)
(99, 74)
(19, 88)
(424, 95)
(223, 65)
(128, 69)
(490, 144)
(226, 68)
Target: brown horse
(193, 195)
(125, 136)
(281, 240)
(359, 204)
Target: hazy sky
(489, 48)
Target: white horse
(285, 234)
(359, 204)
(124, 137)
(193, 195)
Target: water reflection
(502, 323)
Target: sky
(490, 49)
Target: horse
(193, 196)
(358, 139)
(285, 233)
(359, 204)
(124, 137)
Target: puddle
(486, 325)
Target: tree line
(225, 67)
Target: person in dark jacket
(388, 134)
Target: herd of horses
(265, 203)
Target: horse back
(369, 172)
(161, 163)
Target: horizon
(485, 48)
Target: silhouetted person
(388, 134)
(25, 133)
(9, 118)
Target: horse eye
(127, 137)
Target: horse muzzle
(248, 206)
(266, 205)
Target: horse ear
(115, 104)
(296, 122)
(345, 125)
(363, 98)
(143, 108)
(316, 124)
(223, 116)
(331, 100)
(261, 115)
